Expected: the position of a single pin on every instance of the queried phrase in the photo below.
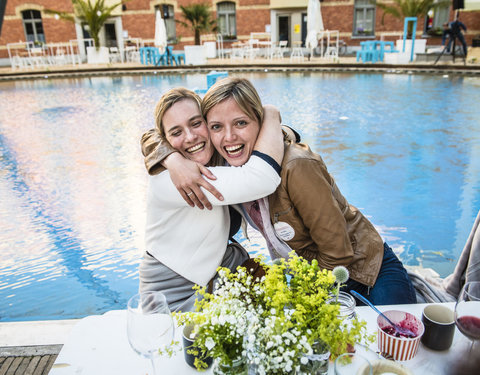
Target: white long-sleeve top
(191, 241)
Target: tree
(410, 8)
(198, 18)
(92, 12)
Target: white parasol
(314, 23)
(160, 33)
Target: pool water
(405, 149)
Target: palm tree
(410, 8)
(198, 18)
(92, 12)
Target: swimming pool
(403, 148)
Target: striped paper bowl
(400, 348)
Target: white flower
(288, 367)
(304, 360)
(209, 343)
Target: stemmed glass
(467, 311)
(150, 326)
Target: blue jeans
(392, 286)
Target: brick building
(356, 20)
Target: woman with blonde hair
(184, 245)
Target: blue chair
(368, 52)
(178, 57)
(152, 56)
(143, 53)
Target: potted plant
(94, 14)
(198, 18)
(283, 322)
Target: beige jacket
(325, 226)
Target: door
(284, 28)
(304, 28)
(110, 35)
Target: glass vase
(346, 304)
(238, 367)
(317, 362)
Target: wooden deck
(28, 360)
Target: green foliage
(409, 8)
(278, 317)
(92, 12)
(198, 18)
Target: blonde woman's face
(186, 131)
(232, 132)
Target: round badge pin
(284, 230)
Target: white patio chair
(252, 49)
(114, 55)
(279, 51)
(237, 51)
(132, 54)
(58, 54)
(297, 51)
(37, 57)
(17, 62)
(331, 53)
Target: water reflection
(403, 148)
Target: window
(32, 24)
(169, 17)
(364, 18)
(226, 20)
(435, 19)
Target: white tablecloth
(99, 345)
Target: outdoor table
(382, 44)
(99, 345)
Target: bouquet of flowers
(277, 322)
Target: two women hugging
(229, 154)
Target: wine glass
(467, 311)
(150, 326)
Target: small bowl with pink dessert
(399, 346)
